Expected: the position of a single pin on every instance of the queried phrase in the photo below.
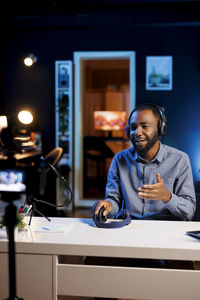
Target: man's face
(143, 130)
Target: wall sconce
(30, 60)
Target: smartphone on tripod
(12, 184)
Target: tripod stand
(33, 200)
(10, 223)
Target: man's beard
(150, 143)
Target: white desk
(40, 275)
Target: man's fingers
(148, 195)
(159, 179)
(107, 205)
(150, 187)
(101, 203)
(106, 211)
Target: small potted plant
(21, 225)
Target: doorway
(104, 82)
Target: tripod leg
(41, 214)
(32, 213)
(10, 222)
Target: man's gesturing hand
(156, 191)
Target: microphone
(47, 163)
(59, 175)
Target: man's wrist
(168, 197)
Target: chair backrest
(54, 155)
(196, 216)
(97, 143)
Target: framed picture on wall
(158, 73)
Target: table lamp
(3, 122)
(109, 121)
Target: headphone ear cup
(162, 128)
(128, 131)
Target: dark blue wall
(34, 87)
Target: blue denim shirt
(128, 172)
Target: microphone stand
(58, 174)
(33, 209)
(33, 201)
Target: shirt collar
(159, 156)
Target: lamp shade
(109, 120)
(3, 122)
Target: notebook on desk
(54, 228)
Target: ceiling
(87, 12)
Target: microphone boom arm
(59, 175)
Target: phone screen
(12, 180)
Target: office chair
(95, 149)
(196, 216)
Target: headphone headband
(162, 124)
(118, 224)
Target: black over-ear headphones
(100, 219)
(162, 123)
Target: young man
(150, 179)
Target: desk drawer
(123, 282)
(33, 276)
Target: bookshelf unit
(63, 130)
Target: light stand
(10, 223)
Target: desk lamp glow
(3, 122)
(109, 121)
(25, 117)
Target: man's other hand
(156, 191)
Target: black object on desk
(195, 233)
(101, 221)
